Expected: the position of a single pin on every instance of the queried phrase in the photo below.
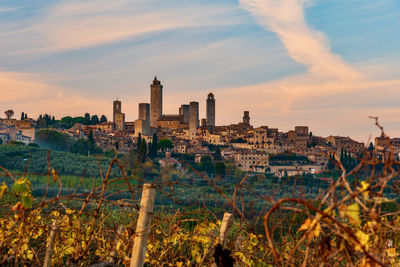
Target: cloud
(25, 92)
(304, 45)
(75, 24)
(7, 9)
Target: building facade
(193, 119)
(155, 102)
(246, 118)
(210, 110)
(184, 112)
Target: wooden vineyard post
(113, 254)
(143, 226)
(226, 221)
(50, 244)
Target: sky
(328, 64)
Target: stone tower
(193, 119)
(142, 124)
(144, 111)
(184, 112)
(246, 118)
(116, 108)
(210, 110)
(155, 102)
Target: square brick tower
(155, 102)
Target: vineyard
(354, 221)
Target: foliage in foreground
(350, 224)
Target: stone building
(252, 161)
(261, 140)
(172, 122)
(193, 119)
(116, 108)
(155, 102)
(184, 112)
(142, 124)
(246, 118)
(105, 127)
(346, 143)
(382, 141)
(301, 131)
(118, 116)
(119, 122)
(130, 126)
(203, 123)
(210, 110)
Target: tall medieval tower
(210, 110)
(193, 119)
(246, 118)
(116, 108)
(155, 102)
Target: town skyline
(328, 71)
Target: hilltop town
(251, 149)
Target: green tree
(66, 122)
(51, 139)
(139, 141)
(220, 168)
(206, 164)
(95, 119)
(86, 119)
(9, 113)
(371, 147)
(165, 144)
(217, 154)
(91, 140)
(103, 118)
(153, 148)
(331, 161)
(142, 152)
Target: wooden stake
(50, 244)
(226, 221)
(143, 226)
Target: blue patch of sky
(23, 10)
(357, 29)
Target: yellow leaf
(311, 224)
(55, 175)
(179, 264)
(29, 254)
(119, 243)
(363, 239)
(353, 213)
(317, 230)
(391, 252)
(306, 225)
(3, 188)
(364, 187)
(69, 211)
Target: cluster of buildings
(17, 130)
(247, 147)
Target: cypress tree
(139, 141)
(142, 151)
(154, 146)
